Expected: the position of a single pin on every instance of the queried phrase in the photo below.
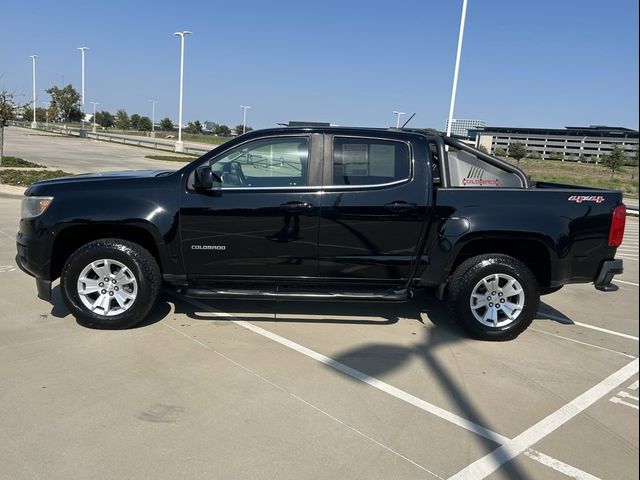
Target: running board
(381, 296)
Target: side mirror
(206, 180)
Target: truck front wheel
(493, 296)
(110, 283)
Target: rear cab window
(468, 170)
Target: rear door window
(360, 161)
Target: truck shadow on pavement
(378, 359)
(374, 359)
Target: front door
(264, 223)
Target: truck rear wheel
(110, 283)
(493, 296)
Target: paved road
(78, 155)
(263, 390)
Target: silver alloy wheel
(107, 287)
(497, 300)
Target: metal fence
(156, 144)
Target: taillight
(616, 232)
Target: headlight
(34, 206)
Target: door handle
(400, 207)
(295, 206)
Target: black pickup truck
(321, 213)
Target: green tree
(135, 121)
(634, 163)
(122, 120)
(482, 148)
(67, 102)
(614, 160)
(41, 114)
(500, 152)
(517, 151)
(27, 113)
(166, 124)
(144, 124)
(238, 129)
(105, 119)
(534, 155)
(222, 131)
(54, 113)
(7, 112)
(194, 127)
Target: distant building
(460, 126)
(567, 143)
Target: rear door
(264, 223)
(374, 208)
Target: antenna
(408, 120)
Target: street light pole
(34, 124)
(457, 66)
(153, 115)
(82, 50)
(94, 115)
(179, 144)
(244, 117)
(398, 117)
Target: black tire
(467, 279)
(139, 264)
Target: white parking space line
(566, 321)
(284, 390)
(488, 464)
(390, 390)
(604, 330)
(627, 258)
(581, 342)
(625, 282)
(559, 466)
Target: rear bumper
(608, 269)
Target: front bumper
(34, 256)
(43, 286)
(608, 269)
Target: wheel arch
(73, 237)
(532, 252)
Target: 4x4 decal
(586, 198)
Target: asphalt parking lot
(236, 389)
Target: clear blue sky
(543, 63)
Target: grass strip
(18, 162)
(24, 178)
(583, 174)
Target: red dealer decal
(586, 198)
(474, 177)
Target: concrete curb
(12, 191)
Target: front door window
(271, 162)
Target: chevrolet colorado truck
(318, 213)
